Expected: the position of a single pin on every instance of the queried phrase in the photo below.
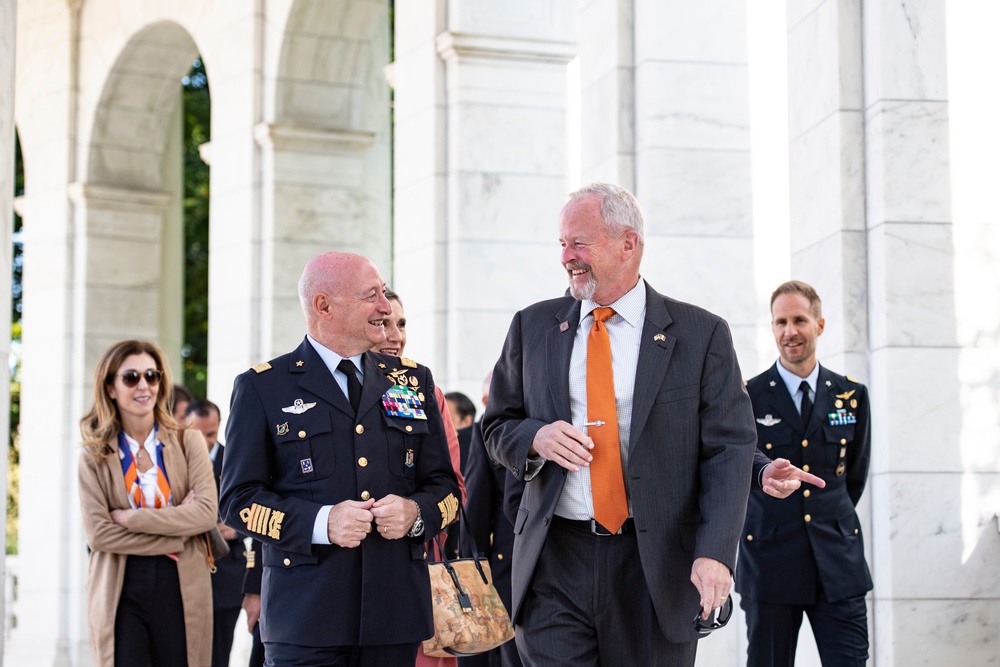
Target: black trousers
(589, 605)
(840, 629)
(149, 622)
(257, 650)
(223, 626)
(292, 655)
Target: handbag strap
(205, 537)
(466, 540)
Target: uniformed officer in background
(338, 464)
(805, 553)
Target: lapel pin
(299, 363)
(659, 337)
(563, 326)
(768, 420)
(283, 429)
(773, 383)
(828, 383)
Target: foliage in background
(197, 114)
(14, 451)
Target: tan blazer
(153, 532)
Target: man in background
(805, 554)
(227, 579)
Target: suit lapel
(317, 378)
(375, 386)
(559, 348)
(826, 394)
(655, 349)
(781, 401)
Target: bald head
(342, 298)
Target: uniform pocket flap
(303, 426)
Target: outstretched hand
(780, 479)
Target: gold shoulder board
(409, 363)
(261, 367)
(850, 379)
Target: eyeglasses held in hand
(703, 627)
(150, 375)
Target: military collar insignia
(298, 407)
(828, 383)
(768, 420)
(773, 383)
(299, 363)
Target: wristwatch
(418, 526)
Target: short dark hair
(202, 407)
(464, 404)
(806, 290)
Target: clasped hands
(350, 521)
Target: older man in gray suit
(631, 514)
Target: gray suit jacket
(691, 443)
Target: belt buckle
(598, 529)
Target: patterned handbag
(469, 616)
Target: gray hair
(619, 208)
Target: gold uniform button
(363, 462)
(408, 428)
(302, 434)
(855, 531)
(500, 556)
(749, 538)
(843, 441)
(808, 518)
(768, 446)
(365, 495)
(805, 468)
(288, 561)
(359, 429)
(806, 493)
(805, 443)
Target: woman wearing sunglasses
(147, 494)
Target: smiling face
(135, 404)
(348, 303)
(601, 266)
(395, 331)
(796, 329)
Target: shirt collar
(631, 305)
(214, 452)
(793, 381)
(332, 359)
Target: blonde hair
(101, 425)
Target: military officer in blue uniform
(805, 553)
(338, 464)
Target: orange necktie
(606, 480)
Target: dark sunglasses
(703, 627)
(131, 378)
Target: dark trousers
(502, 656)
(291, 655)
(257, 650)
(588, 605)
(840, 628)
(223, 626)
(149, 622)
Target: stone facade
(448, 167)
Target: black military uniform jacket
(294, 445)
(813, 537)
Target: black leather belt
(591, 526)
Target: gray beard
(585, 292)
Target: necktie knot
(603, 314)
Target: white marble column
(934, 480)
(665, 112)
(826, 170)
(8, 11)
(480, 173)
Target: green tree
(197, 115)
